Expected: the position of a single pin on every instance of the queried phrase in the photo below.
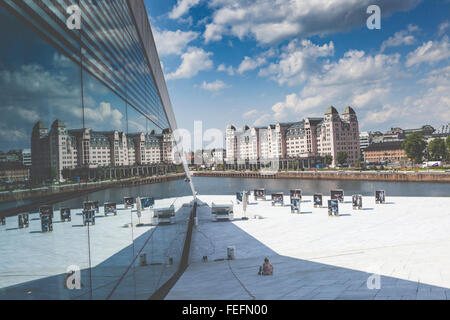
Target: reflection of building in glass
(105, 81)
(26, 157)
(60, 148)
(308, 138)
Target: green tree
(342, 157)
(53, 173)
(415, 146)
(437, 149)
(328, 159)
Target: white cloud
(443, 27)
(263, 120)
(386, 113)
(250, 114)
(430, 52)
(270, 21)
(428, 105)
(214, 86)
(357, 68)
(193, 61)
(224, 68)
(182, 7)
(358, 79)
(401, 38)
(367, 98)
(297, 61)
(173, 42)
(437, 76)
(249, 64)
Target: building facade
(442, 132)
(387, 152)
(309, 138)
(59, 148)
(365, 139)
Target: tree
(53, 173)
(342, 157)
(415, 146)
(437, 149)
(328, 159)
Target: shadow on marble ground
(221, 279)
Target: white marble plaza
(406, 241)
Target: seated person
(266, 269)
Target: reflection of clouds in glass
(11, 135)
(61, 61)
(30, 116)
(32, 92)
(104, 114)
(135, 127)
(32, 80)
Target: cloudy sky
(257, 62)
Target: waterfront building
(365, 139)
(301, 138)
(389, 152)
(231, 144)
(213, 156)
(339, 134)
(218, 155)
(306, 139)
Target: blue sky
(257, 62)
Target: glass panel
(41, 101)
(159, 227)
(83, 130)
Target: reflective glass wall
(91, 202)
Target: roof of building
(58, 124)
(385, 146)
(297, 129)
(39, 126)
(98, 140)
(349, 110)
(315, 121)
(331, 110)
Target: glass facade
(91, 201)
